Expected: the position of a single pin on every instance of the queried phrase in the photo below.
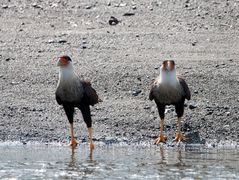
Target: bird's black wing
(152, 91)
(185, 88)
(58, 99)
(90, 95)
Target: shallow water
(117, 162)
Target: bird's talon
(92, 146)
(73, 143)
(162, 138)
(179, 138)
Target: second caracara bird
(168, 89)
(73, 92)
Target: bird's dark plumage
(169, 89)
(73, 92)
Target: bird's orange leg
(73, 142)
(162, 137)
(179, 136)
(90, 138)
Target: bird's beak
(62, 62)
(168, 68)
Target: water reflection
(110, 162)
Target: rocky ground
(121, 60)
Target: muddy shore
(121, 60)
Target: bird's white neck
(168, 77)
(67, 72)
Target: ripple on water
(108, 162)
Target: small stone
(113, 21)
(84, 47)
(227, 113)
(194, 43)
(136, 92)
(134, 7)
(195, 92)
(122, 4)
(129, 14)
(8, 59)
(192, 106)
(157, 67)
(51, 41)
(36, 6)
(4, 6)
(88, 7)
(62, 41)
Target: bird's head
(168, 66)
(168, 72)
(64, 61)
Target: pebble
(195, 92)
(136, 92)
(62, 41)
(227, 113)
(113, 21)
(4, 6)
(122, 4)
(88, 7)
(129, 14)
(194, 43)
(192, 106)
(146, 107)
(36, 6)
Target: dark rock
(195, 92)
(146, 107)
(136, 92)
(36, 6)
(4, 6)
(134, 7)
(113, 21)
(227, 113)
(62, 41)
(7, 59)
(88, 7)
(129, 14)
(192, 106)
(157, 67)
(194, 43)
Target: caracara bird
(73, 92)
(168, 89)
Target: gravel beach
(121, 58)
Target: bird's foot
(92, 146)
(179, 137)
(73, 143)
(162, 138)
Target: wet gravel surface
(121, 56)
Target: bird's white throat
(168, 77)
(69, 86)
(67, 73)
